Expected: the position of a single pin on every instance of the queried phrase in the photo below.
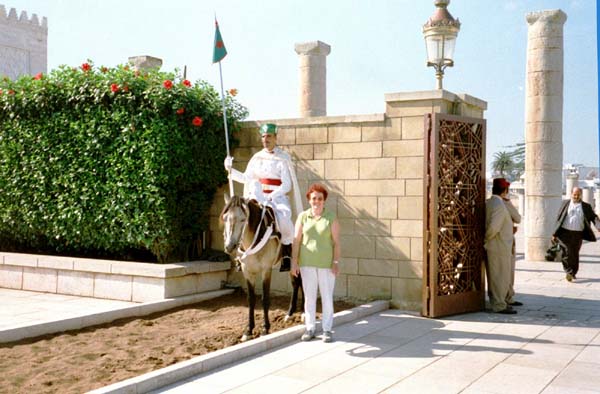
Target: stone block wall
(110, 279)
(23, 44)
(373, 167)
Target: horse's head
(234, 216)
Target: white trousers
(282, 208)
(324, 280)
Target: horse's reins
(254, 247)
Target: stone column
(313, 77)
(572, 180)
(142, 62)
(521, 206)
(587, 196)
(543, 128)
(597, 200)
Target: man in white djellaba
(268, 178)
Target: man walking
(572, 227)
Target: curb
(22, 331)
(197, 365)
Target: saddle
(261, 219)
(261, 223)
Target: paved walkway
(551, 346)
(21, 308)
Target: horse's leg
(296, 285)
(299, 280)
(266, 302)
(251, 304)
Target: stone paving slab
(551, 346)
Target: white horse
(250, 237)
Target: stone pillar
(572, 181)
(521, 206)
(142, 62)
(313, 77)
(587, 196)
(597, 201)
(543, 128)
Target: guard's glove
(228, 163)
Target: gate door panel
(454, 222)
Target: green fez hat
(268, 128)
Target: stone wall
(23, 44)
(373, 166)
(110, 279)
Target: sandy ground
(82, 360)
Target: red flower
(10, 91)
(114, 87)
(233, 92)
(126, 88)
(168, 84)
(197, 121)
(1, 92)
(38, 76)
(186, 83)
(126, 68)
(103, 69)
(86, 67)
(180, 111)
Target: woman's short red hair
(316, 187)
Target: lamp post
(440, 33)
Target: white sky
(377, 47)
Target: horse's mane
(235, 201)
(254, 210)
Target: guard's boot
(286, 260)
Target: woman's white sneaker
(308, 335)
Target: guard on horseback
(268, 178)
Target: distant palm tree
(503, 163)
(518, 156)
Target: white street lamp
(440, 33)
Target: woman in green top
(315, 254)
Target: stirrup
(286, 264)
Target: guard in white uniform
(268, 178)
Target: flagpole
(217, 57)
(225, 124)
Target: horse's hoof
(244, 338)
(287, 317)
(302, 318)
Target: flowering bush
(109, 161)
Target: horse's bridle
(244, 207)
(254, 246)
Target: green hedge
(110, 161)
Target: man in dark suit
(572, 227)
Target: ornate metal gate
(454, 187)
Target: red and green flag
(219, 51)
